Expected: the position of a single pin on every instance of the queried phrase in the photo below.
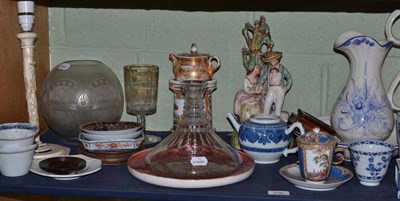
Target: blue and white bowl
(370, 160)
(15, 135)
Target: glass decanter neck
(194, 113)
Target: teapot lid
(316, 136)
(193, 53)
(265, 119)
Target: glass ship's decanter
(193, 150)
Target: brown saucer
(62, 165)
(109, 157)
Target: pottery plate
(92, 166)
(338, 176)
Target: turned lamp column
(27, 41)
(27, 37)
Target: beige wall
(124, 36)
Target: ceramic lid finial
(316, 130)
(193, 49)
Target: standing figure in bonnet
(277, 81)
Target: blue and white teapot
(265, 137)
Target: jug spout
(353, 39)
(234, 121)
(343, 39)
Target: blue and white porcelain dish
(370, 160)
(111, 145)
(15, 135)
(112, 136)
(337, 177)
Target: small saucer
(338, 176)
(62, 165)
(92, 166)
(137, 167)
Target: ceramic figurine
(256, 37)
(249, 100)
(276, 80)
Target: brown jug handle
(216, 67)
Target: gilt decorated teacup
(316, 152)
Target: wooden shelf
(366, 6)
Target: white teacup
(16, 161)
(14, 135)
(370, 160)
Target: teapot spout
(173, 58)
(234, 121)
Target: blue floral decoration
(365, 109)
(263, 135)
(360, 40)
(377, 162)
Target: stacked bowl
(110, 139)
(17, 147)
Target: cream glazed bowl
(16, 161)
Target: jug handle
(392, 88)
(288, 131)
(389, 25)
(215, 68)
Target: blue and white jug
(363, 110)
